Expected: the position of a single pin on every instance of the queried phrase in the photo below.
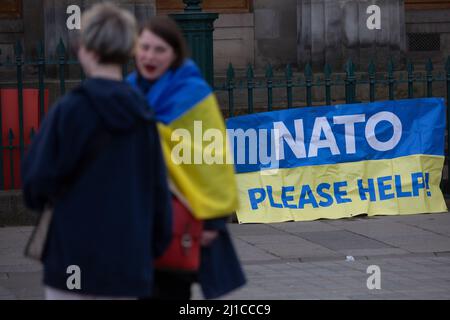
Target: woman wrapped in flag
(183, 102)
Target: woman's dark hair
(167, 29)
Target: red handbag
(183, 253)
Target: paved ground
(304, 260)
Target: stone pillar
(56, 17)
(275, 33)
(332, 31)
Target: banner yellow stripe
(283, 205)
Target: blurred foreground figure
(97, 162)
(182, 100)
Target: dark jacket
(114, 215)
(220, 270)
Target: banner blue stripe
(422, 132)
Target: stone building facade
(267, 31)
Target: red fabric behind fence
(10, 120)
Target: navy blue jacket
(220, 270)
(115, 214)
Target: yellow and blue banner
(382, 158)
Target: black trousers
(170, 285)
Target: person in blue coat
(179, 95)
(97, 161)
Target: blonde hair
(110, 32)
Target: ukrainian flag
(184, 103)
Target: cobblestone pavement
(325, 259)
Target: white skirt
(56, 294)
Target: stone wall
(275, 32)
(27, 29)
(316, 31)
(234, 41)
(332, 31)
(265, 35)
(13, 211)
(55, 17)
(429, 22)
(46, 20)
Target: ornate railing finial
(192, 5)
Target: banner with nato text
(382, 158)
